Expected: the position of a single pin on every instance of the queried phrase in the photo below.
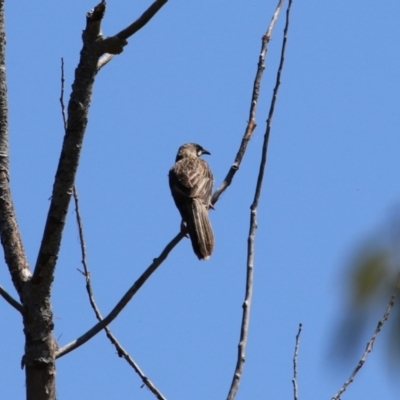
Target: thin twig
(64, 117)
(370, 344)
(296, 351)
(251, 125)
(120, 350)
(253, 221)
(10, 300)
(124, 300)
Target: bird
(191, 183)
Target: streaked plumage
(191, 182)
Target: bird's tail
(199, 229)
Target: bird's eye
(199, 152)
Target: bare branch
(142, 20)
(10, 300)
(120, 350)
(296, 350)
(14, 253)
(251, 125)
(370, 344)
(253, 214)
(115, 44)
(124, 300)
(78, 109)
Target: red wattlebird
(191, 182)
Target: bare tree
(34, 288)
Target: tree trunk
(40, 346)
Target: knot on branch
(113, 45)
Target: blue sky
(331, 179)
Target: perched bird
(191, 182)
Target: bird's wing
(191, 177)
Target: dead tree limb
(253, 210)
(114, 341)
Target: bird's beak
(204, 151)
